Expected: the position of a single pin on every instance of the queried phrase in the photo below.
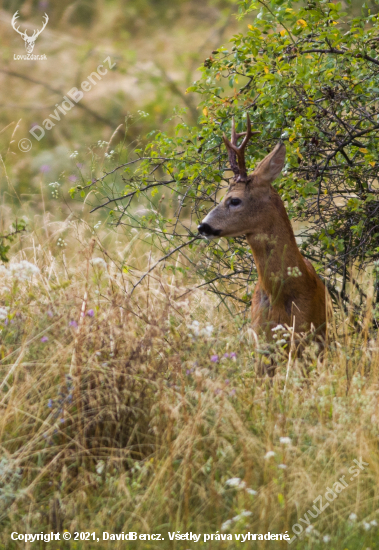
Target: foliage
(6, 239)
(307, 74)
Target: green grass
(124, 423)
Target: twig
(161, 260)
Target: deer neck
(275, 251)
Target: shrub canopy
(306, 73)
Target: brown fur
(279, 298)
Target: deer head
(29, 40)
(247, 207)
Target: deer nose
(206, 230)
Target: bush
(307, 74)
(7, 238)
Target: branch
(132, 193)
(162, 259)
(338, 52)
(164, 159)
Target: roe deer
(288, 289)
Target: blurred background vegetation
(157, 47)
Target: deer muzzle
(207, 231)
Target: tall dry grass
(138, 414)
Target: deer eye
(235, 202)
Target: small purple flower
(50, 313)
(43, 4)
(90, 313)
(188, 372)
(226, 354)
(73, 324)
(214, 358)
(50, 403)
(217, 391)
(61, 420)
(233, 354)
(72, 178)
(79, 165)
(44, 339)
(233, 392)
(45, 168)
(227, 381)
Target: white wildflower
(99, 262)
(208, 330)
(309, 529)
(195, 328)
(226, 524)
(251, 491)
(285, 440)
(294, 272)
(24, 270)
(366, 526)
(374, 523)
(327, 538)
(237, 483)
(243, 514)
(61, 242)
(3, 313)
(100, 467)
(54, 184)
(233, 482)
(353, 517)
(74, 155)
(278, 327)
(269, 454)
(280, 342)
(282, 466)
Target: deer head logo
(29, 40)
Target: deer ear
(270, 167)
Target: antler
(237, 154)
(25, 34)
(37, 33)
(14, 18)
